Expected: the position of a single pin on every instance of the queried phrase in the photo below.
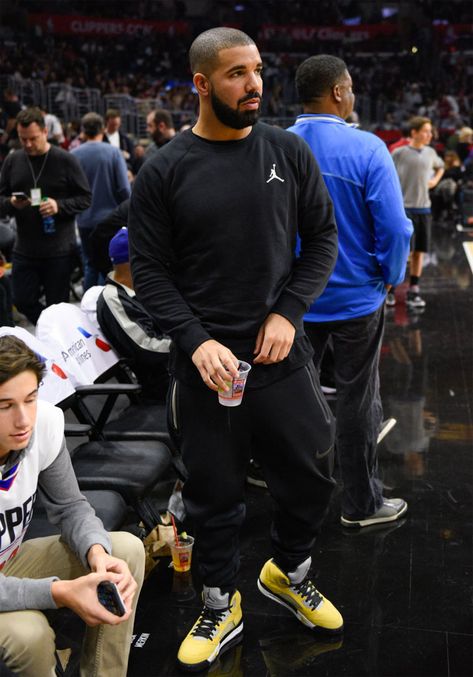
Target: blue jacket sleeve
(392, 228)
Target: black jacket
(133, 334)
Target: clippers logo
(100, 343)
(9, 477)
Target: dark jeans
(6, 309)
(33, 277)
(357, 345)
(291, 430)
(92, 276)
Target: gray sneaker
(391, 510)
(390, 300)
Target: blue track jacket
(373, 229)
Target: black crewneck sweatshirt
(213, 228)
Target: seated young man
(56, 571)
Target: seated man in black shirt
(129, 327)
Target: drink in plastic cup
(234, 395)
(182, 553)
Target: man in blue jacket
(374, 235)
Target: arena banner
(360, 33)
(306, 33)
(64, 24)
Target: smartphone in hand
(110, 598)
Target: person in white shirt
(114, 136)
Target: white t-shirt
(114, 139)
(18, 486)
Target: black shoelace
(208, 622)
(307, 590)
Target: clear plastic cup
(236, 387)
(182, 553)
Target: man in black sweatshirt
(48, 182)
(213, 222)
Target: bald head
(203, 54)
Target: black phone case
(110, 598)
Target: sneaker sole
(371, 521)
(388, 425)
(233, 638)
(267, 593)
(415, 305)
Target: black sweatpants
(290, 429)
(33, 277)
(359, 412)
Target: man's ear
(336, 93)
(202, 84)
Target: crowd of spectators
(433, 78)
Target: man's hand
(101, 562)
(48, 207)
(80, 595)
(18, 203)
(215, 363)
(274, 340)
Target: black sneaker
(254, 475)
(415, 300)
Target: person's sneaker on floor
(218, 627)
(254, 475)
(415, 300)
(391, 510)
(390, 300)
(296, 592)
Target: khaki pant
(27, 642)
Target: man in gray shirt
(55, 571)
(419, 169)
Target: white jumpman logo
(273, 175)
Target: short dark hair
(203, 53)
(112, 113)
(28, 116)
(16, 357)
(417, 122)
(162, 115)
(92, 124)
(316, 76)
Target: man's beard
(232, 117)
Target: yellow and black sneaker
(218, 627)
(297, 593)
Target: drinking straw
(176, 537)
